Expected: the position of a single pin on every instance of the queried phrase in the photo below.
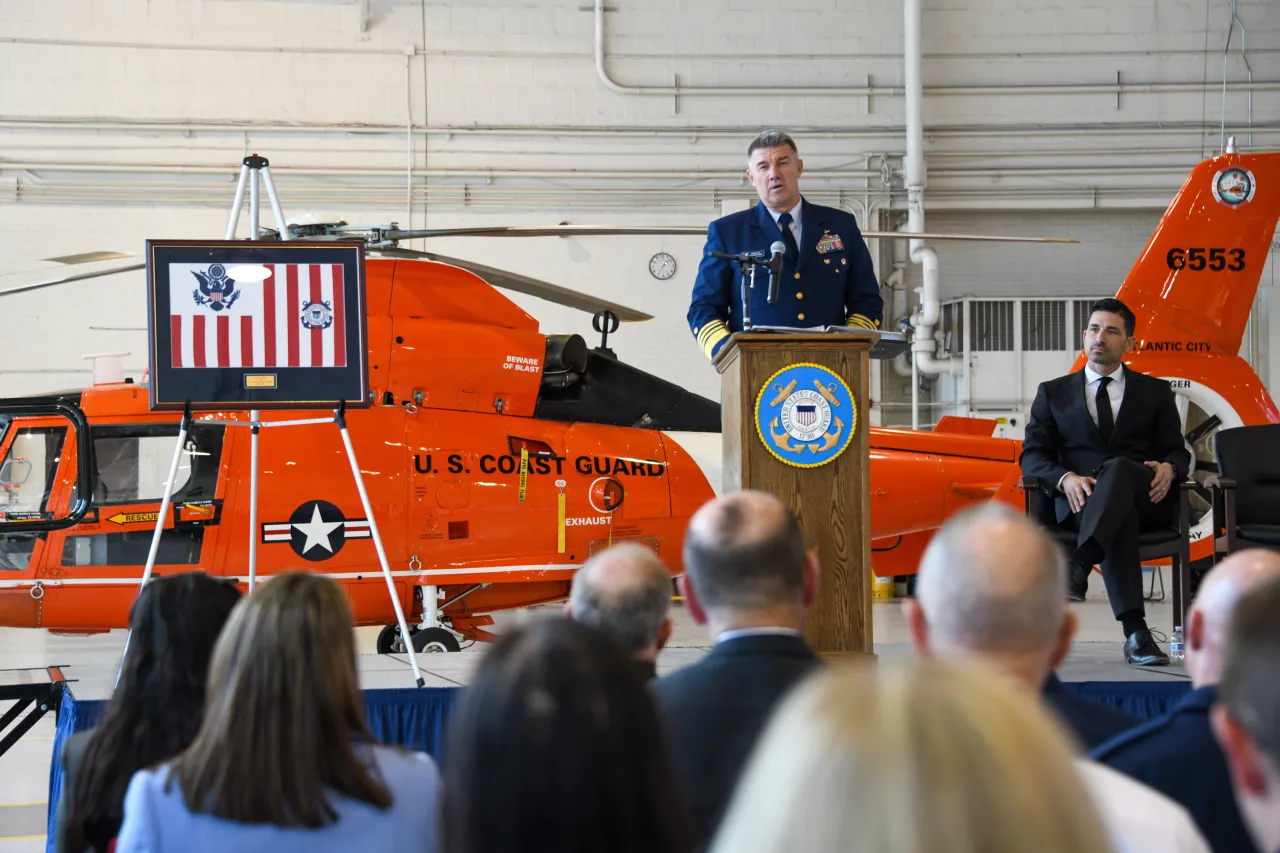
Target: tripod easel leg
(339, 417)
(253, 498)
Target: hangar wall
(126, 119)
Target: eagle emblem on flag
(216, 290)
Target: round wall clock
(662, 266)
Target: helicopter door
(131, 464)
(30, 452)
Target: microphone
(778, 249)
(745, 257)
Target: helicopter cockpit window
(132, 463)
(26, 479)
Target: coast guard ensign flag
(293, 318)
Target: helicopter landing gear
(423, 639)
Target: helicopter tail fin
(1193, 285)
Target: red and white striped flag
(294, 318)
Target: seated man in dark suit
(1106, 443)
(1176, 754)
(749, 579)
(989, 590)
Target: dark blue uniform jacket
(831, 284)
(1177, 755)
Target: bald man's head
(1211, 613)
(625, 592)
(744, 552)
(992, 581)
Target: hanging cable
(1226, 48)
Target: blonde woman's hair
(920, 758)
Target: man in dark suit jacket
(989, 591)
(749, 579)
(827, 278)
(1177, 754)
(1106, 443)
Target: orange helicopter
(499, 458)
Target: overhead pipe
(929, 311)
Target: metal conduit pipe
(930, 309)
(889, 91)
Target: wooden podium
(831, 500)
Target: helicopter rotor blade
(20, 286)
(676, 230)
(524, 284)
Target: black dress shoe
(1078, 581)
(1140, 649)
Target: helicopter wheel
(389, 642)
(434, 640)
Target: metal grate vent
(1082, 315)
(1044, 327)
(991, 329)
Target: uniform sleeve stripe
(709, 345)
(861, 322)
(709, 330)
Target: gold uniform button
(844, 260)
(797, 275)
(799, 316)
(695, 330)
(826, 260)
(799, 295)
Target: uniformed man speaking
(827, 277)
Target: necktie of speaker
(1106, 420)
(788, 237)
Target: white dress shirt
(795, 218)
(757, 632)
(1115, 392)
(1139, 819)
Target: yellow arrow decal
(134, 517)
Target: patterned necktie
(1106, 420)
(784, 225)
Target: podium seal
(805, 415)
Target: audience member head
(1246, 719)
(1215, 602)
(158, 702)
(625, 593)
(555, 746)
(284, 712)
(990, 587)
(1109, 334)
(922, 757)
(746, 565)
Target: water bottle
(1176, 651)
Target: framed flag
(240, 325)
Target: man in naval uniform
(827, 277)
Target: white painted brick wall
(529, 63)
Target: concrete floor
(91, 661)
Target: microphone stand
(747, 263)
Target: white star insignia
(317, 531)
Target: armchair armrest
(1030, 496)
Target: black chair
(1246, 492)
(1171, 543)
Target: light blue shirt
(795, 218)
(157, 821)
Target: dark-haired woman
(556, 747)
(156, 708)
(283, 761)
